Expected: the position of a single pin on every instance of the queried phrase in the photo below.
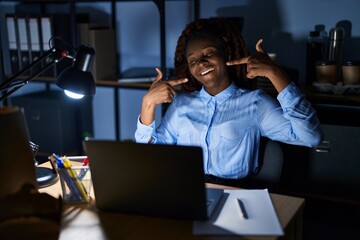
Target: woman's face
(206, 64)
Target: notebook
(150, 179)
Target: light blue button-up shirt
(228, 126)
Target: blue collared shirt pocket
(230, 143)
(185, 138)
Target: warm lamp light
(77, 82)
(76, 78)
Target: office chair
(270, 166)
(268, 174)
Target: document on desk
(242, 212)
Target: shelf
(160, 4)
(101, 83)
(328, 98)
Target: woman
(216, 111)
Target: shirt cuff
(144, 132)
(288, 94)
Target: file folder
(59, 26)
(46, 34)
(34, 35)
(13, 42)
(23, 41)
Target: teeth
(207, 71)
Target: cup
(351, 73)
(76, 184)
(326, 72)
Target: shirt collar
(221, 96)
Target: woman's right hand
(160, 92)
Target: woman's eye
(209, 54)
(191, 62)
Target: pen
(59, 161)
(64, 173)
(242, 209)
(74, 177)
(74, 194)
(83, 172)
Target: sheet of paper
(228, 219)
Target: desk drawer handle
(323, 147)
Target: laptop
(150, 179)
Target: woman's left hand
(261, 65)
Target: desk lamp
(77, 82)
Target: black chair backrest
(270, 163)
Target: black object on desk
(44, 176)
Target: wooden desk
(85, 222)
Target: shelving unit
(160, 4)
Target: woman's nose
(203, 60)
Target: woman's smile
(207, 71)
(206, 64)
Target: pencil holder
(76, 184)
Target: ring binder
(46, 34)
(23, 41)
(13, 42)
(34, 35)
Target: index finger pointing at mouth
(238, 61)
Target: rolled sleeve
(143, 132)
(301, 114)
(289, 94)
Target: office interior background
(284, 25)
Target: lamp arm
(12, 81)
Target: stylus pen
(242, 208)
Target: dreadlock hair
(227, 37)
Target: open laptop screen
(148, 179)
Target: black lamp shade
(78, 78)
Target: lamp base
(46, 177)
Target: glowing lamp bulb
(73, 95)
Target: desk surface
(85, 222)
